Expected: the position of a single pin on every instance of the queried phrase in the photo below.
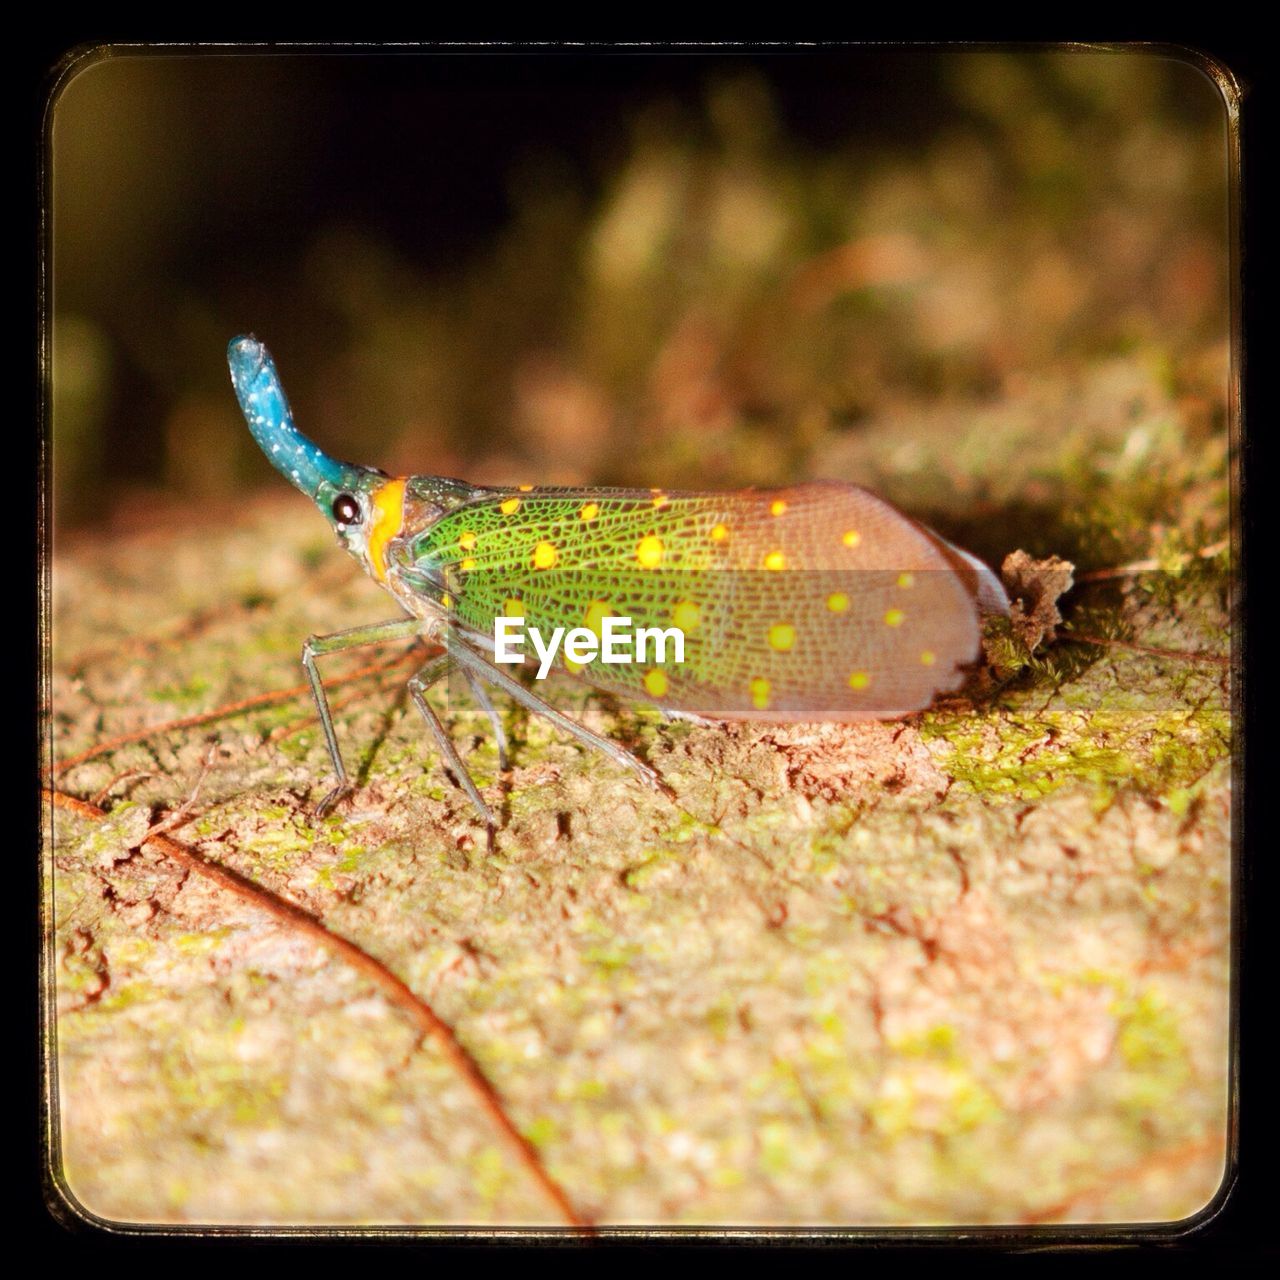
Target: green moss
(351, 858)
(281, 847)
(79, 972)
(937, 1042)
(200, 944)
(1108, 738)
(612, 1124)
(125, 827)
(688, 827)
(933, 1089)
(297, 746)
(201, 1076)
(827, 850)
(177, 1192)
(126, 997)
(1151, 1047)
(946, 1105)
(824, 972)
(893, 1110)
(971, 1105)
(831, 1025)
(805, 937)
(130, 950)
(611, 958)
(720, 1018)
(542, 1131)
(183, 695)
(643, 874)
(775, 1148)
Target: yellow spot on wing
(649, 552)
(512, 608)
(526, 488)
(838, 602)
(467, 565)
(388, 507)
(686, 615)
(894, 617)
(859, 680)
(928, 657)
(719, 533)
(510, 507)
(851, 538)
(660, 500)
(760, 690)
(467, 541)
(544, 555)
(905, 581)
(775, 560)
(597, 612)
(777, 507)
(590, 511)
(782, 635)
(656, 683)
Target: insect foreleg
(474, 662)
(318, 647)
(433, 673)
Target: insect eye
(346, 510)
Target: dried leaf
(1034, 587)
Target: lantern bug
(819, 601)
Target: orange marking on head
(388, 508)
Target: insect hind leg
(486, 705)
(480, 666)
(432, 673)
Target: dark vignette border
(1234, 1224)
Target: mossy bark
(968, 967)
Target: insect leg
(437, 629)
(318, 647)
(469, 660)
(433, 673)
(486, 705)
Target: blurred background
(688, 271)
